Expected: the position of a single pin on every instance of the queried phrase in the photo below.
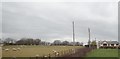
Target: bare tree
(57, 42)
(37, 41)
(65, 43)
(9, 41)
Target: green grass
(32, 51)
(103, 53)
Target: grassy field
(103, 53)
(32, 51)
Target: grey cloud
(0, 20)
(54, 20)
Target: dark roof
(109, 42)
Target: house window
(112, 44)
(104, 44)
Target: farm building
(108, 44)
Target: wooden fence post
(49, 56)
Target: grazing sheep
(45, 56)
(54, 51)
(73, 50)
(14, 49)
(37, 55)
(18, 48)
(6, 49)
(57, 53)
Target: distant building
(108, 44)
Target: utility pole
(89, 37)
(73, 34)
(97, 43)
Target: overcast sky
(0, 20)
(53, 20)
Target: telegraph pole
(73, 34)
(89, 37)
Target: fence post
(43, 57)
(49, 56)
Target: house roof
(109, 42)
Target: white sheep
(18, 48)
(14, 49)
(54, 51)
(57, 53)
(37, 55)
(6, 49)
(45, 56)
